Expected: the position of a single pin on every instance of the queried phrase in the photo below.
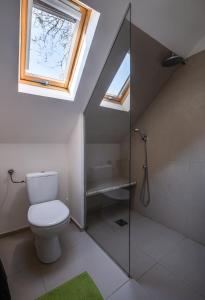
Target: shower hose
(145, 183)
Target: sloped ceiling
(32, 119)
(179, 25)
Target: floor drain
(121, 222)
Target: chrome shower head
(173, 60)
(142, 135)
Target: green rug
(81, 287)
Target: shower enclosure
(107, 152)
(144, 164)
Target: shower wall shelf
(109, 186)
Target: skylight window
(118, 93)
(119, 86)
(53, 37)
(120, 78)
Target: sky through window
(51, 39)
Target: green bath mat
(81, 287)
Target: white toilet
(47, 217)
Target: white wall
(200, 46)
(76, 171)
(26, 158)
(178, 25)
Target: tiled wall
(175, 124)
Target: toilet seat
(48, 213)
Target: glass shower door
(107, 153)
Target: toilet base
(48, 250)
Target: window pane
(51, 40)
(120, 78)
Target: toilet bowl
(47, 220)
(47, 217)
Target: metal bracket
(11, 172)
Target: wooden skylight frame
(39, 81)
(121, 97)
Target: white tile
(140, 263)
(153, 238)
(80, 256)
(171, 181)
(135, 216)
(63, 270)
(106, 274)
(197, 149)
(29, 278)
(101, 232)
(179, 276)
(196, 187)
(117, 246)
(130, 291)
(76, 246)
(168, 213)
(17, 251)
(162, 285)
(26, 285)
(187, 260)
(73, 237)
(118, 249)
(195, 224)
(108, 216)
(111, 236)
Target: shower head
(173, 60)
(142, 135)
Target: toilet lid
(48, 213)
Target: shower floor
(164, 262)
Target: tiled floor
(110, 236)
(170, 266)
(166, 264)
(28, 278)
(131, 290)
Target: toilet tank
(42, 186)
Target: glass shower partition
(107, 152)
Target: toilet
(46, 215)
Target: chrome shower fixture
(173, 60)
(142, 135)
(144, 196)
